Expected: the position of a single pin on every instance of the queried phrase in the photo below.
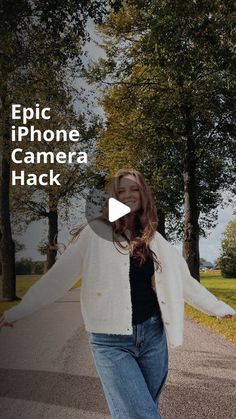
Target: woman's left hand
(227, 316)
(4, 323)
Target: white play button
(116, 209)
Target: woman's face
(128, 192)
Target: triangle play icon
(116, 209)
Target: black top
(143, 297)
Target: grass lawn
(224, 289)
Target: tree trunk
(0, 250)
(52, 233)
(7, 243)
(191, 213)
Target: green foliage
(41, 53)
(228, 258)
(169, 77)
(26, 266)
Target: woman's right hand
(3, 322)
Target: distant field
(224, 289)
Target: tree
(127, 141)
(217, 263)
(176, 61)
(60, 29)
(24, 266)
(39, 202)
(228, 258)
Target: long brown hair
(145, 222)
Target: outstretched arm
(53, 284)
(199, 297)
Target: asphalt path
(47, 370)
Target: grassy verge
(224, 289)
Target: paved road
(47, 370)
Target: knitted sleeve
(55, 283)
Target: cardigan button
(163, 302)
(167, 323)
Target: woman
(134, 284)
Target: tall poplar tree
(176, 60)
(59, 28)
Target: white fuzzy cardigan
(105, 291)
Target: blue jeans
(132, 368)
